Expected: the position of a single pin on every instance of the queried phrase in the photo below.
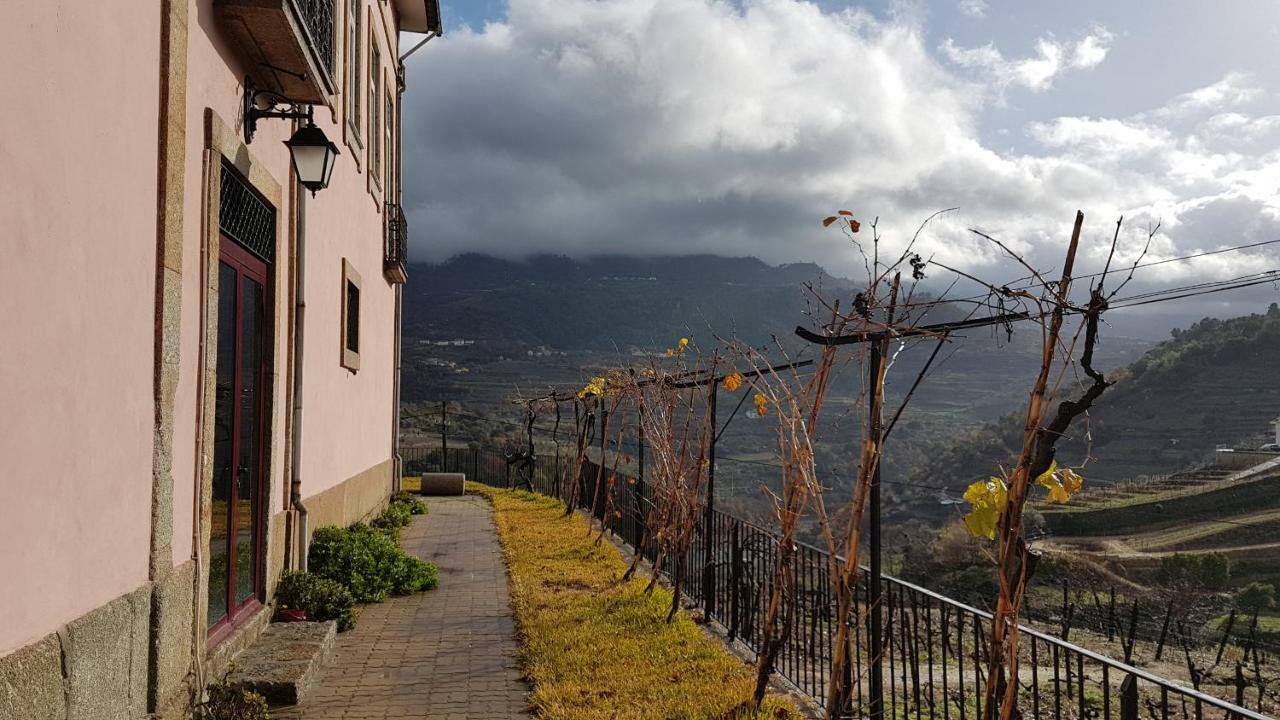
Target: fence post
(1129, 698)
(638, 494)
(708, 519)
(640, 444)
(597, 497)
(1111, 616)
(1129, 639)
(444, 436)
(1240, 685)
(475, 463)
(1164, 630)
(735, 577)
(875, 618)
(1226, 634)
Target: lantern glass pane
(309, 161)
(330, 160)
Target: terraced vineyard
(1182, 499)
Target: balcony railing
(289, 44)
(395, 234)
(935, 648)
(317, 21)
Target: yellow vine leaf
(762, 405)
(1072, 481)
(684, 344)
(1057, 494)
(595, 387)
(1046, 477)
(1061, 484)
(987, 499)
(733, 382)
(1050, 481)
(981, 522)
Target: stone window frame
(350, 281)
(353, 78)
(223, 143)
(374, 113)
(389, 142)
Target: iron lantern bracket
(277, 106)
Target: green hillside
(1215, 383)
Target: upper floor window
(388, 121)
(354, 72)
(375, 113)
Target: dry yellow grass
(597, 648)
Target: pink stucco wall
(78, 236)
(77, 306)
(348, 417)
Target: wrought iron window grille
(245, 217)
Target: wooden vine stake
(796, 403)
(1036, 464)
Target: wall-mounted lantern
(313, 153)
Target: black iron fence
(935, 648)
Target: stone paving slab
(449, 653)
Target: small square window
(353, 318)
(350, 317)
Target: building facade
(200, 358)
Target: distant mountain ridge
(476, 271)
(608, 302)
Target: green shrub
(321, 598)
(393, 518)
(229, 702)
(416, 505)
(415, 575)
(368, 562)
(1256, 596)
(1209, 571)
(359, 557)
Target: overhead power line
(1116, 271)
(939, 329)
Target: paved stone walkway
(449, 653)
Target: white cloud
(974, 8)
(1232, 91)
(678, 126)
(1092, 50)
(1036, 72)
(1210, 183)
(1101, 136)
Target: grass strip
(595, 647)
